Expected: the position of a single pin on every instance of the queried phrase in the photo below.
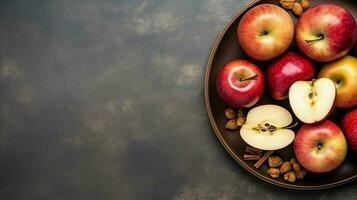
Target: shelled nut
(297, 9)
(291, 177)
(240, 121)
(285, 167)
(305, 4)
(275, 161)
(287, 4)
(274, 172)
(230, 113)
(300, 174)
(232, 125)
(296, 167)
(240, 113)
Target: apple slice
(266, 128)
(312, 101)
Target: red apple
(260, 32)
(326, 32)
(285, 70)
(320, 147)
(349, 125)
(240, 84)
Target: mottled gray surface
(104, 100)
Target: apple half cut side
(266, 128)
(312, 101)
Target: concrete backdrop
(103, 99)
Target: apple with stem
(326, 32)
(240, 84)
(267, 128)
(312, 101)
(260, 32)
(343, 73)
(285, 70)
(320, 147)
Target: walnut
(301, 174)
(293, 161)
(297, 9)
(305, 4)
(275, 161)
(291, 177)
(287, 4)
(296, 167)
(274, 172)
(285, 167)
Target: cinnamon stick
(251, 157)
(253, 151)
(263, 159)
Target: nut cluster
(291, 170)
(296, 6)
(235, 118)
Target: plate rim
(218, 134)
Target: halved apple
(312, 101)
(266, 128)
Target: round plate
(226, 49)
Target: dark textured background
(103, 99)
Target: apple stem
(263, 33)
(249, 78)
(315, 40)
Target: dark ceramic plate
(226, 49)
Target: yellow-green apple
(240, 84)
(267, 128)
(349, 125)
(260, 32)
(320, 147)
(343, 73)
(285, 70)
(326, 32)
(312, 101)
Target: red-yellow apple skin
(349, 125)
(326, 32)
(260, 32)
(331, 153)
(343, 73)
(234, 90)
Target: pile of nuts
(296, 6)
(235, 118)
(291, 170)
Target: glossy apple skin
(343, 73)
(260, 34)
(285, 70)
(349, 125)
(239, 93)
(335, 24)
(332, 153)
